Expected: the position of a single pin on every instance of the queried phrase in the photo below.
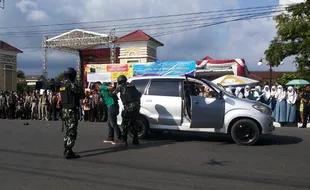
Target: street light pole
(270, 75)
(260, 63)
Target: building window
(133, 61)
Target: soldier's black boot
(135, 140)
(65, 148)
(70, 154)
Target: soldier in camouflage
(70, 94)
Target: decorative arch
(132, 53)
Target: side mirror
(221, 95)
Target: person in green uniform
(113, 110)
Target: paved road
(31, 158)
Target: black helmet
(70, 73)
(122, 79)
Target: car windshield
(218, 87)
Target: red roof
(137, 36)
(207, 58)
(8, 47)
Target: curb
(297, 125)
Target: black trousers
(306, 114)
(129, 120)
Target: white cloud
(25, 6)
(245, 39)
(286, 2)
(30, 8)
(37, 15)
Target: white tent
(232, 80)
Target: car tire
(245, 132)
(143, 127)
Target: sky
(246, 39)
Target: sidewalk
(276, 124)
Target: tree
(20, 74)
(285, 78)
(293, 37)
(60, 77)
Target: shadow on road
(227, 140)
(278, 140)
(118, 148)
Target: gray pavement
(31, 158)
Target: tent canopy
(232, 80)
(76, 40)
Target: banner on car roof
(166, 68)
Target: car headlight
(263, 109)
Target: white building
(8, 66)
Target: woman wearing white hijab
(280, 110)
(258, 93)
(247, 91)
(229, 89)
(266, 94)
(238, 92)
(291, 105)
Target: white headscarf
(266, 92)
(238, 92)
(229, 89)
(273, 91)
(258, 89)
(281, 94)
(291, 95)
(247, 91)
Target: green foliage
(20, 74)
(286, 77)
(22, 87)
(60, 77)
(293, 37)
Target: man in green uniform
(70, 94)
(111, 101)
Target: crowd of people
(46, 106)
(288, 104)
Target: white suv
(175, 104)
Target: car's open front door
(207, 112)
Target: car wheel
(245, 132)
(143, 127)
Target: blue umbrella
(297, 82)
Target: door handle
(196, 102)
(148, 100)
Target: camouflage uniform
(70, 119)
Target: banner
(114, 70)
(168, 68)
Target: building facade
(137, 47)
(8, 66)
